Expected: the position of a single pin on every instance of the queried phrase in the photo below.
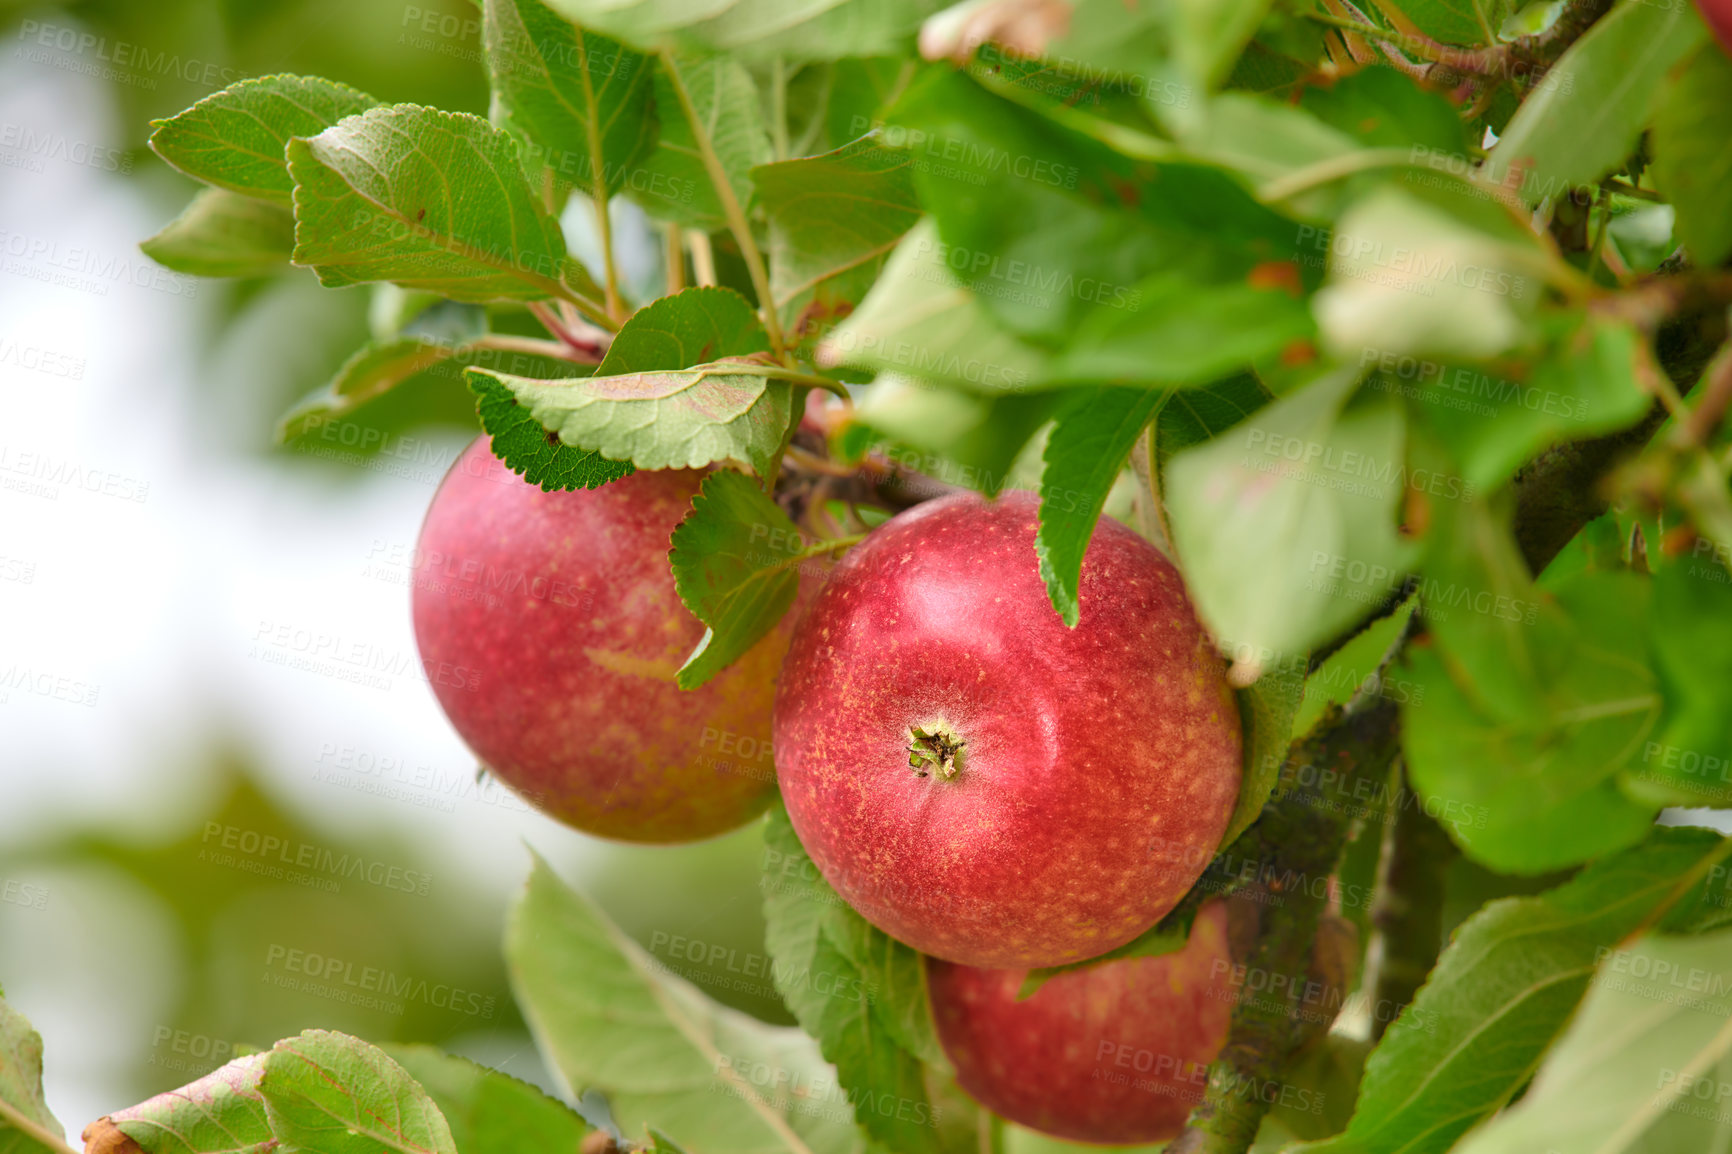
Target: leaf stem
(676, 258)
(16, 1118)
(1407, 913)
(1331, 169)
(583, 344)
(731, 208)
(615, 308)
(779, 107)
(560, 350)
(703, 258)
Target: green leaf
(581, 100)
(533, 453)
(1192, 416)
(1500, 993)
(26, 1125)
(1458, 21)
(965, 438)
(1692, 144)
(1084, 455)
(1584, 119)
(1642, 1066)
(1340, 676)
(645, 405)
(1286, 524)
(692, 327)
(1177, 332)
(1409, 277)
(1590, 382)
(1208, 35)
(1482, 606)
(220, 1113)
(859, 992)
(832, 214)
(234, 139)
(609, 1020)
(329, 1093)
(377, 368)
(1057, 234)
(431, 200)
(1164, 937)
(734, 559)
(1266, 713)
(1384, 108)
(1685, 763)
(1541, 778)
(374, 370)
(706, 105)
(795, 29)
(918, 319)
(490, 1112)
(222, 233)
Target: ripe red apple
(1117, 1052)
(550, 630)
(980, 781)
(1718, 14)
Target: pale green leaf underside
(223, 233)
(708, 1077)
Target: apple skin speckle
(1102, 763)
(551, 632)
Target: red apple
(1718, 14)
(551, 633)
(1117, 1052)
(980, 781)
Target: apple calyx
(935, 746)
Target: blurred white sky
(153, 605)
